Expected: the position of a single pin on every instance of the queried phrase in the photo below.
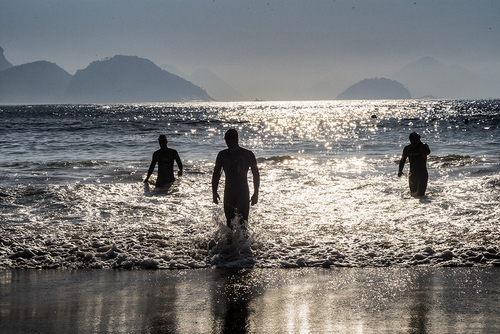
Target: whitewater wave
(277, 159)
(451, 160)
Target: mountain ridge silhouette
(375, 89)
(119, 79)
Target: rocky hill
(37, 82)
(375, 89)
(427, 76)
(214, 85)
(130, 79)
(4, 63)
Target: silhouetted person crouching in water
(165, 158)
(235, 161)
(417, 152)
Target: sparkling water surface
(72, 193)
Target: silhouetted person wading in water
(235, 161)
(417, 152)
(165, 158)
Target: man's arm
(424, 149)
(215, 180)
(256, 182)
(402, 162)
(179, 163)
(151, 167)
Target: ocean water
(72, 196)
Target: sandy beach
(314, 300)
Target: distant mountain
(130, 79)
(427, 76)
(4, 64)
(214, 85)
(427, 64)
(38, 82)
(174, 70)
(375, 89)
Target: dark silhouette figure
(165, 158)
(235, 161)
(417, 152)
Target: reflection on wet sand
(420, 303)
(369, 300)
(231, 295)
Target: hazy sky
(270, 49)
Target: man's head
(231, 138)
(414, 138)
(162, 140)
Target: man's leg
(230, 212)
(244, 208)
(413, 181)
(422, 185)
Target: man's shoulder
(240, 150)
(222, 154)
(246, 151)
(249, 156)
(225, 151)
(169, 151)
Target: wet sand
(315, 300)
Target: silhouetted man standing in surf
(417, 152)
(235, 161)
(165, 158)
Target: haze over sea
(72, 194)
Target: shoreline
(92, 255)
(334, 300)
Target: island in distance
(130, 79)
(4, 63)
(375, 89)
(38, 82)
(120, 79)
